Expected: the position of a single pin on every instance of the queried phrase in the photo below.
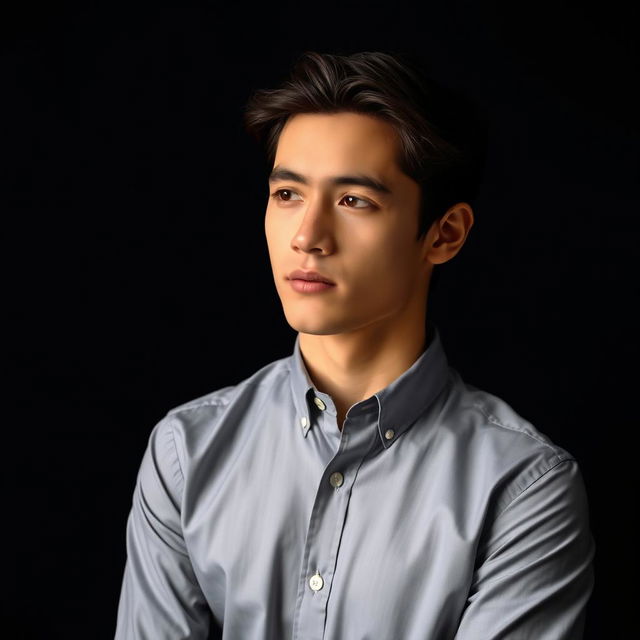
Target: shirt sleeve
(160, 596)
(534, 573)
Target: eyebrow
(281, 173)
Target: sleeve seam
(551, 468)
(177, 459)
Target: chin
(313, 329)
(316, 326)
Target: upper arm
(160, 597)
(534, 574)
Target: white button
(303, 421)
(316, 582)
(321, 405)
(336, 479)
(389, 433)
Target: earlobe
(448, 234)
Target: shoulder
(221, 417)
(505, 449)
(262, 380)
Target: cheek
(382, 255)
(273, 233)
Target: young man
(357, 488)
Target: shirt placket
(326, 525)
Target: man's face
(360, 237)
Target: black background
(137, 275)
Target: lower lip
(310, 286)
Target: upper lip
(299, 274)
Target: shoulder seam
(493, 420)
(215, 402)
(198, 405)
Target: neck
(352, 366)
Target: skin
(363, 333)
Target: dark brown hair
(442, 135)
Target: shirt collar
(399, 404)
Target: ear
(447, 234)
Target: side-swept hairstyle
(442, 134)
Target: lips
(310, 276)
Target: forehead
(317, 143)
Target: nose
(315, 233)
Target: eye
(285, 195)
(352, 200)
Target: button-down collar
(399, 404)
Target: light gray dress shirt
(437, 512)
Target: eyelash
(277, 192)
